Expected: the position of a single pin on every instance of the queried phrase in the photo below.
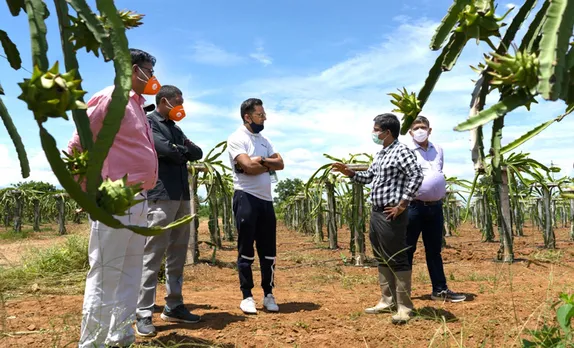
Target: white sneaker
(270, 304)
(248, 306)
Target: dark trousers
(428, 220)
(255, 221)
(388, 239)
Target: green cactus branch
(454, 50)
(432, 78)
(447, 23)
(533, 33)
(95, 26)
(515, 25)
(80, 115)
(120, 95)
(36, 10)
(568, 83)
(12, 53)
(16, 139)
(556, 33)
(499, 109)
(15, 6)
(530, 134)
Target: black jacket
(174, 150)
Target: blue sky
(323, 69)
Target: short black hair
(420, 119)
(139, 57)
(389, 122)
(248, 106)
(167, 92)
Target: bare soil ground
(11, 250)
(322, 299)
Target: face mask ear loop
(144, 74)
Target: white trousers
(113, 281)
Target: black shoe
(179, 314)
(144, 327)
(447, 295)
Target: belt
(379, 208)
(425, 203)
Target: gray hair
(421, 119)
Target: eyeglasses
(259, 115)
(151, 71)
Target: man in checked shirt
(396, 177)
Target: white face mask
(420, 135)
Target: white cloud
(260, 55)
(331, 110)
(208, 53)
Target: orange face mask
(176, 113)
(152, 85)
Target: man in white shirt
(425, 211)
(252, 158)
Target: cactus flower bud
(116, 197)
(77, 163)
(51, 94)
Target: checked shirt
(395, 175)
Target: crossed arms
(257, 165)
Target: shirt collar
(137, 97)
(246, 131)
(413, 145)
(159, 117)
(391, 145)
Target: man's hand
(256, 159)
(343, 169)
(394, 212)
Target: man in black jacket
(168, 201)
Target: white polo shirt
(243, 141)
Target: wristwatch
(262, 162)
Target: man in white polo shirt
(252, 158)
(425, 211)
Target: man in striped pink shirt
(115, 255)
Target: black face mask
(256, 128)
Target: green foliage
(72, 256)
(543, 64)
(38, 186)
(407, 104)
(478, 21)
(51, 263)
(550, 335)
(287, 188)
(204, 211)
